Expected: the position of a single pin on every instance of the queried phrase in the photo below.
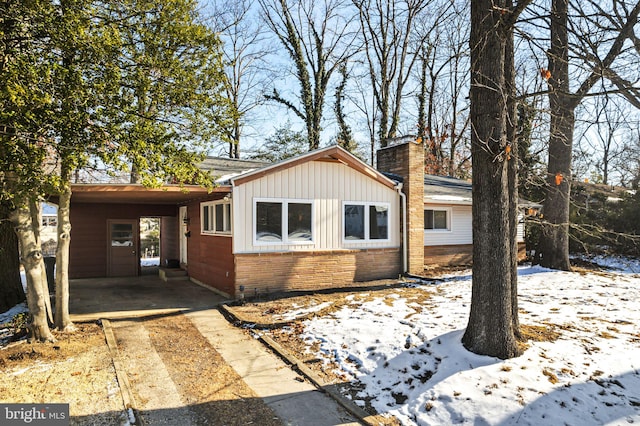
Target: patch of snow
(621, 264)
(448, 198)
(411, 363)
(150, 261)
(5, 317)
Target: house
(321, 220)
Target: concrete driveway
(124, 301)
(134, 297)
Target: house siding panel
(328, 185)
(461, 227)
(313, 270)
(169, 243)
(210, 257)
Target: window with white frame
(278, 221)
(215, 217)
(365, 221)
(437, 219)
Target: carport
(105, 237)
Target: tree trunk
(11, 291)
(512, 173)
(554, 243)
(62, 320)
(490, 330)
(37, 289)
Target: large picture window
(365, 221)
(215, 217)
(438, 220)
(283, 221)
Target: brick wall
(274, 272)
(460, 254)
(407, 160)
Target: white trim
(449, 212)
(227, 221)
(367, 237)
(284, 226)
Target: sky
(412, 365)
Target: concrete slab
(295, 400)
(134, 297)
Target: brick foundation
(301, 271)
(456, 255)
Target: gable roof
(333, 153)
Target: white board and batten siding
(461, 227)
(328, 185)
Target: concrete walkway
(293, 399)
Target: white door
(184, 219)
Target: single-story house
(323, 219)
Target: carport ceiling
(138, 194)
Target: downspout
(403, 197)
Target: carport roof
(138, 194)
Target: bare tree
(245, 52)
(443, 118)
(387, 28)
(601, 145)
(598, 50)
(318, 38)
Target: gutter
(403, 197)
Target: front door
(123, 248)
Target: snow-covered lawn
(410, 361)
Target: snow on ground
(150, 261)
(411, 363)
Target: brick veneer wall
(291, 271)
(407, 160)
(460, 254)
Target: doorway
(184, 229)
(149, 245)
(123, 248)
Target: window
(366, 221)
(283, 221)
(437, 220)
(49, 221)
(216, 217)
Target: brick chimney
(406, 159)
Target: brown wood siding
(169, 239)
(262, 273)
(210, 256)
(455, 255)
(88, 252)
